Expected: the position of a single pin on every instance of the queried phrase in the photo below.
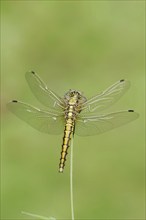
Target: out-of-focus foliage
(83, 45)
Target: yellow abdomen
(68, 133)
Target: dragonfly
(74, 113)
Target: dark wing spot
(14, 101)
(122, 80)
(130, 110)
(32, 72)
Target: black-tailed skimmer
(73, 113)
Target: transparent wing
(44, 95)
(106, 98)
(86, 126)
(47, 122)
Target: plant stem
(38, 216)
(71, 180)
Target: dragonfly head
(74, 94)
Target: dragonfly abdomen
(68, 132)
(71, 113)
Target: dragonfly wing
(93, 125)
(47, 122)
(45, 96)
(106, 98)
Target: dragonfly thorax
(74, 101)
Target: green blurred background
(83, 45)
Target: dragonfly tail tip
(60, 170)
